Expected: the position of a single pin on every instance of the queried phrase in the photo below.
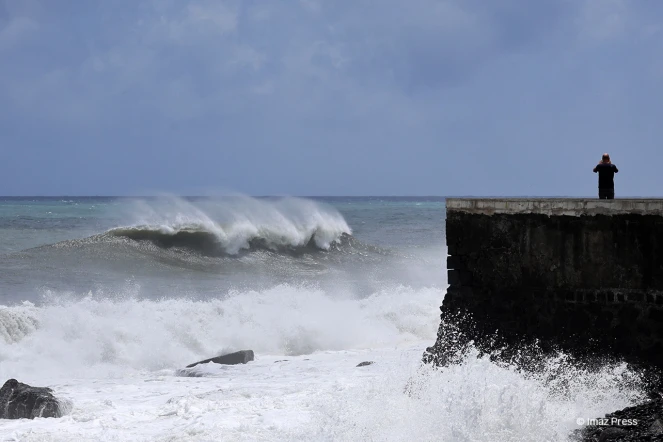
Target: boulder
(21, 401)
(656, 429)
(365, 363)
(612, 433)
(239, 357)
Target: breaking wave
(231, 226)
(96, 335)
(17, 322)
(237, 223)
(218, 241)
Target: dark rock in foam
(239, 357)
(21, 401)
(365, 363)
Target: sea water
(106, 300)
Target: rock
(656, 429)
(21, 401)
(281, 360)
(639, 422)
(365, 363)
(612, 433)
(239, 357)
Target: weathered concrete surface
(556, 206)
(583, 275)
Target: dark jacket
(606, 173)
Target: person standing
(606, 171)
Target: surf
(122, 333)
(227, 226)
(217, 242)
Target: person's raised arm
(616, 170)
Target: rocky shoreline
(642, 422)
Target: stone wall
(583, 275)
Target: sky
(330, 97)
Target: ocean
(106, 300)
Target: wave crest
(17, 322)
(232, 225)
(216, 243)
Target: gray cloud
(428, 96)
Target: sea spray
(234, 223)
(121, 315)
(18, 321)
(474, 400)
(96, 334)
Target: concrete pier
(582, 275)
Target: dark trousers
(607, 194)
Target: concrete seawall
(582, 275)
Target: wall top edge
(557, 206)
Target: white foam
(17, 322)
(325, 397)
(116, 361)
(99, 336)
(476, 400)
(238, 220)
